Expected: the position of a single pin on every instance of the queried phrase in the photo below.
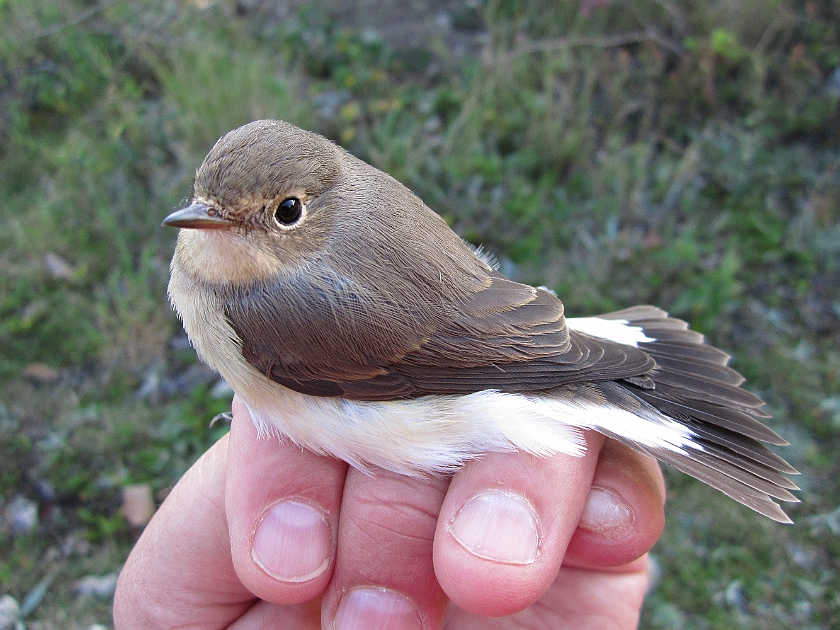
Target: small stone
(102, 586)
(138, 506)
(58, 268)
(41, 373)
(9, 612)
(21, 515)
(74, 545)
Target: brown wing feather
(323, 336)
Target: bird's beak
(197, 216)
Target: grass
(628, 152)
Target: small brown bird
(351, 319)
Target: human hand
(261, 534)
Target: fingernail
(498, 526)
(606, 513)
(381, 608)
(292, 542)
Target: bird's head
(273, 202)
(257, 207)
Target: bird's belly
(420, 436)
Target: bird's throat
(222, 257)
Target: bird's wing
(514, 338)
(328, 338)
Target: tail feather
(758, 501)
(666, 398)
(768, 473)
(692, 385)
(695, 387)
(741, 445)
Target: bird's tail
(723, 438)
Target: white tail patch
(646, 427)
(618, 330)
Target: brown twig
(608, 41)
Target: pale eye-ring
(289, 211)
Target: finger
(180, 572)
(624, 513)
(267, 616)
(384, 576)
(584, 599)
(282, 507)
(579, 599)
(505, 525)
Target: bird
(354, 322)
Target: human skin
(262, 534)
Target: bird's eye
(289, 211)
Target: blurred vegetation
(683, 154)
